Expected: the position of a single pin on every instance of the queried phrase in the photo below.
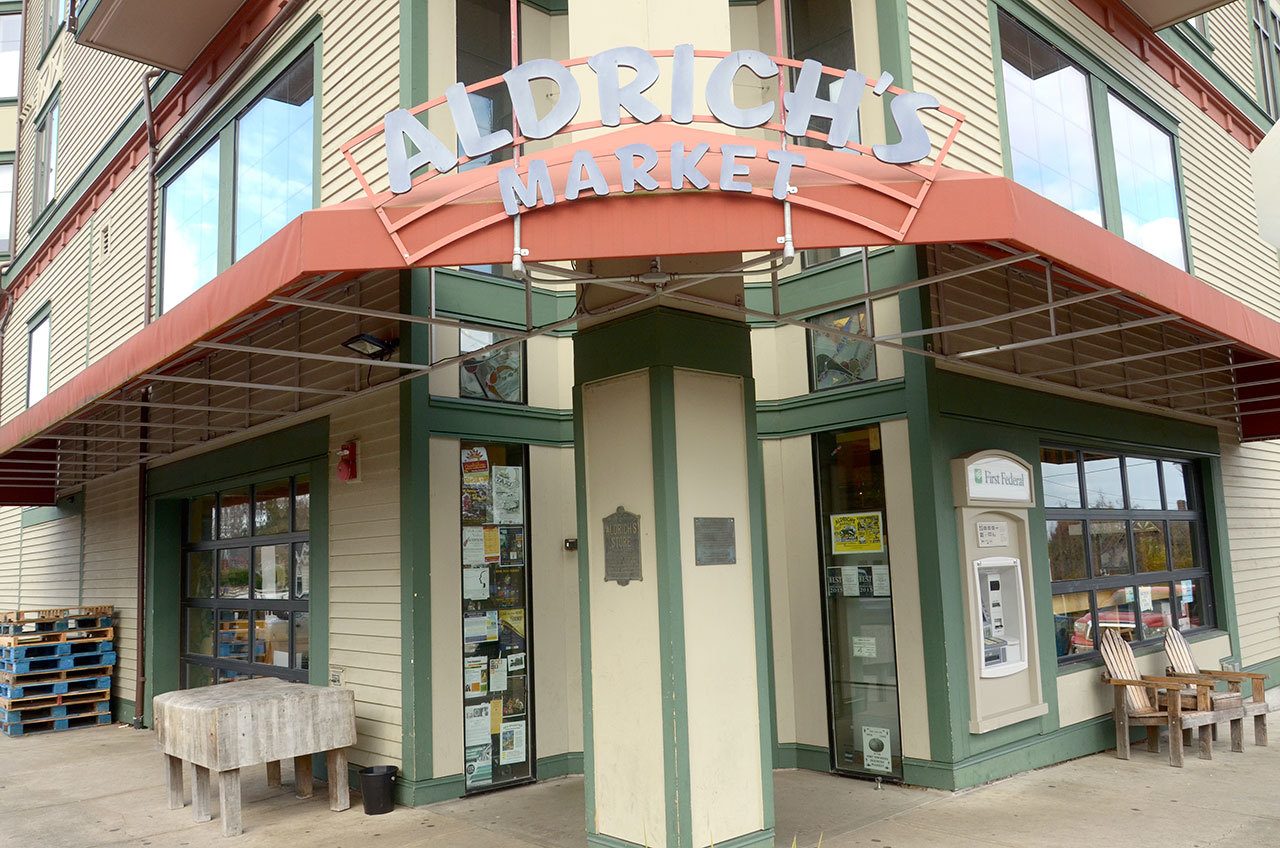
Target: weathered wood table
(224, 728)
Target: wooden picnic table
(222, 729)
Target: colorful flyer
(506, 587)
(477, 505)
(511, 544)
(476, 722)
(511, 744)
(857, 533)
(492, 543)
(508, 494)
(475, 677)
(515, 699)
(475, 460)
(473, 546)
(512, 638)
(479, 764)
(498, 675)
(475, 582)
(480, 627)
(495, 716)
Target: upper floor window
(190, 229)
(38, 358)
(1126, 547)
(55, 15)
(1266, 41)
(261, 164)
(6, 208)
(1200, 23)
(497, 375)
(46, 157)
(1124, 179)
(835, 359)
(275, 157)
(484, 51)
(10, 54)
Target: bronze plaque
(622, 547)
(714, 541)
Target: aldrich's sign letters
(404, 132)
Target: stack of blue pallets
(55, 669)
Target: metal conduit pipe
(140, 681)
(150, 249)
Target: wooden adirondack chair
(1183, 665)
(1137, 702)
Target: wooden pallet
(46, 725)
(64, 686)
(87, 696)
(23, 678)
(84, 705)
(43, 637)
(69, 662)
(52, 613)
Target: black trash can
(376, 785)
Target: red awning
(224, 360)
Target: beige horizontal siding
(50, 554)
(1231, 34)
(10, 557)
(111, 566)
(1251, 488)
(364, 573)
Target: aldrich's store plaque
(622, 547)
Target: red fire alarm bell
(348, 461)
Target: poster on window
(475, 582)
(876, 754)
(492, 543)
(508, 494)
(479, 764)
(511, 545)
(475, 460)
(512, 637)
(515, 699)
(857, 533)
(511, 743)
(475, 677)
(498, 675)
(480, 627)
(473, 546)
(477, 506)
(515, 662)
(839, 359)
(477, 722)
(506, 587)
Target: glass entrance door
(862, 673)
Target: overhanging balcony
(1159, 14)
(157, 32)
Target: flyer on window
(511, 743)
(511, 545)
(876, 754)
(475, 679)
(498, 675)
(857, 533)
(492, 543)
(508, 494)
(479, 765)
(475, 582)
(475, 460)
(473, 546)
(476, 722)
(515, 662)
(480, 627)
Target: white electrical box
(1000, 596)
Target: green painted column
(673, 577)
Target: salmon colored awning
(176, 377)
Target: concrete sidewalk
(104, 786)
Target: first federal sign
(404, 132)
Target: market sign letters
(410, 146)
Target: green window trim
(40, 316)
(223, 128)
(42, 206)
(1102, 82)
(51, 33)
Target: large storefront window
(246, 584)
(497, 693)
(858, 604)
(1126, 547)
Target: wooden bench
(1183, 665)
(1137, 703)
(222, 729)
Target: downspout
(140, 682)
(150, 249)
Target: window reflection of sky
(190, 229)
(1148, 186)
(275, 156)
(1050, 125)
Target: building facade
(872, 505)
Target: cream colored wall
(626, 682)
(795, 593)
(446, 609)
(364, 572)
(1080, 697)
(8, 127)
(10, 557)
(952, 58)
(725, 769)
(1251, 489)
(111, 567)
(557, 643)
(904, 567)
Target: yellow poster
(857, 533)
(492, 543)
